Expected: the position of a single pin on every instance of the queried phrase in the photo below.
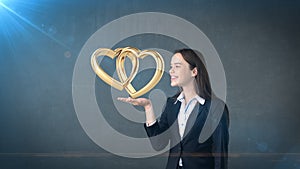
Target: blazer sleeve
(158, 132)
(220, 141)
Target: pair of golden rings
(134, 55)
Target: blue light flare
(12, 22)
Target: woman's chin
(173, 84)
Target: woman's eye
(176, 66)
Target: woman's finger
(120, 98)
(123, 99)
(128, 100)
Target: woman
(185, 116)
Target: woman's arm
(156, 130)
(146, 103)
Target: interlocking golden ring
(134, 55)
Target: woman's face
(180, 72)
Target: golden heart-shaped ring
(125, 82)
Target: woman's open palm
(137, 102)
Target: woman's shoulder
(173, 98)
(217, 101)
(216, 104)
(219, 108)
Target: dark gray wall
(258, 43)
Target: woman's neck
(189, 92)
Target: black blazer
(210, 153)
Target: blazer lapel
(174, 121)
(174, 112)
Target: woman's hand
(146, 103)
(136, 102)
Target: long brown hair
(195, 59)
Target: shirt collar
(197, 97)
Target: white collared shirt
(185, 110)
(184, 113)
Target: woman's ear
(194, 72)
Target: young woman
(185, 115)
